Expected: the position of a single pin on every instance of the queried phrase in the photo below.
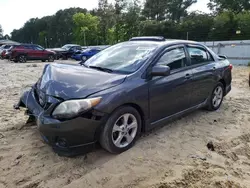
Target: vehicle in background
(3, 50)
(66, 51)
(6, 53)
(23, 52)
(85, 54)
(126, 89)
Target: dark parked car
(85, 54)
(124, 90)
(66, 51)
(23, 52)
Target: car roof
(148, 38)
(166, 42)
(71, 45)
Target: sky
(14, 13)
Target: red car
(22, 53)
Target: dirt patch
(169, 157)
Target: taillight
(230, 66)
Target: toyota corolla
(124, 90)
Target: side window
(73, 48)
(28, 47)
(37, 48)
(174, 58)
(78, 48)
(198, 55)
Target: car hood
(75, 81)
(50, 51)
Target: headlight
(72, 108)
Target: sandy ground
(174, 156)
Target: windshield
(66, 47)
(123, 57)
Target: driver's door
(170, 94)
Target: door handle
(188, 76)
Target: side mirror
(160, 70)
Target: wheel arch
(224, 84)
(133, 105)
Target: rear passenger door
(203, 68)
(38, 52)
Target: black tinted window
(27, 47)
(174, 58)
(37, 48)
(198, 55)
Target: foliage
(1, 32)
(86, 28)
(235, 6)
(49, 31)
(123, 19)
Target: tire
(22, 59)
(51, 58)
(122, 138)
(215, 100)
(65, 57)
(15, 61)
(84, 58)
(43, 60)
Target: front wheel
(22, 59)
(216, 97)
(51, 58)
(84, 58)
(121, 130)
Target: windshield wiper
(101, 68)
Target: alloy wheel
(124, 130)
(22, 59)
(51, 58)
(84, 58)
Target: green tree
(119, 8)
(243, 22)
(235, 6)
(105, 13)
(155, 9)
(58, 29)
(176, 9)
(131, 20)
(195, 26)
(86, 28)
(224, 27)
(1, 32)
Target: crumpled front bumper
(67, 138)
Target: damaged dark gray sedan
(124, 90)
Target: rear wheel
(84, 58)
(121, 130)
(216, 98)
(64, 57)
(51, 58)
(22, 59)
